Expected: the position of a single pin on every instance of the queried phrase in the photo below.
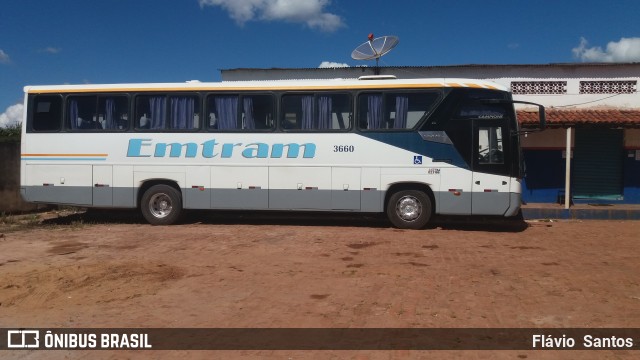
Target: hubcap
(408, 208)
(160, 205)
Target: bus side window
(47, 113)
(257, 112)
(340, 112)
(222, 112)
(81, 113)
(370, 111)
(151, 112)
(184, 112)
(490, 149)
(113, 112)
(406, 110)
(395, 110)
(297, 112)
(321, 111)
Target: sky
(129, 41)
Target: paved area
(582, 211)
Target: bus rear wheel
(409, 209)
(161, 205)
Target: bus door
(491, 180)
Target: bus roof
(272, 85)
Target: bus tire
(161, 205)
(409, 209)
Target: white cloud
(51, 50)
(12, 115)
(309, 12)
(625, 50)
(331, 64)
(4, 57)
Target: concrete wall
(549, 139)
(502, 74)
(10, 200)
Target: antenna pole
(376, 70)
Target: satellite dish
(375, 48)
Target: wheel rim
(160, 205)
(408, 208)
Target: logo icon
(23, 339)
(417, 160)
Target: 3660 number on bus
(343, 148)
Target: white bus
(407, 148)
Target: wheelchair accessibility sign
(417, 160)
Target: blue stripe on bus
(412, 141)
(63, 159)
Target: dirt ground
(96, 269)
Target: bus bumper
(23, 193)
(515, 200)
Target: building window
(539, 87)
(608, 87)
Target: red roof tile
(559, 118)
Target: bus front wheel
(409, 209)
(161, 205)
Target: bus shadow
(218, 217)
(96, 216)
(289, 218)
(240, 217)
(481, 223)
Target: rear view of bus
(408, 148)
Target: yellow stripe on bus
(261, 88)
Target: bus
(410, 148)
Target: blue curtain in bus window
(227, 112)
(324, 112)
(307, 113)
(249, 120)
(182, 112)
(157, 107)
(374, 111)
(109, 111)
(73, 114)
(402, 108)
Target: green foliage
(11, 133)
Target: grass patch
(70, 217)
(11, 223)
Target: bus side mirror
(543, 117)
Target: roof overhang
(566, 118)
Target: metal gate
(597, 164)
